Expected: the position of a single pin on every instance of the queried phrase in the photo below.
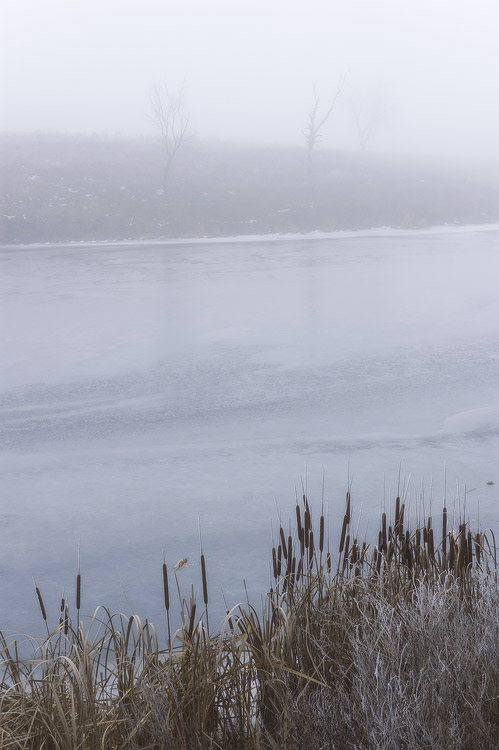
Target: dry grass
(391, 645)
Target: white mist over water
(147, 386)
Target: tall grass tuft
(393, 643)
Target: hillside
(62, 189)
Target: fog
(248, 69)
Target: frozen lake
(144, 386)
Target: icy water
(145, 387)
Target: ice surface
(144, 386)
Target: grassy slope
(69, 189)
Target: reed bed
(392, 643)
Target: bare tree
(368, 115)
(172, 120)
(316, 122)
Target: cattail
(302, 541)
(444, 531)
(321, 534)
(298, 520)
(40, 602)
(290, 547)
(205, 585)
(345, 553)
(343, 532)
(389, 553)
(383, 530)
(348, 511)
(452, 552)
(78, 592)
(283, 542)
(307, 527)
(378, 562)
(165, 587)
(363, 552)
(274, 562)
(191, 619)
(66, 620)
(470, 548)
(397, 514)
(461, 560)
(355, 552)
(61, 616)
(299, 570)
(311, 548)
(401, 521)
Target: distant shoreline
(75, 191)
(255, 238)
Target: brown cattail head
(299, 569)
(205, 584)
(298, 520)
(274, 562)
(307, 527)
(40, 602)
(343, 532)
(444, 531)
(401, 521)
(321, 535)
(165, 587)
(283, 543)
(61, 616)
(191, 619)
(431, 547)
(78, 591)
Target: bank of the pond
(383, 643)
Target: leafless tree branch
(172, 120)
(312, 131)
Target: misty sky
(248, 68)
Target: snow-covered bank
(275, 237)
